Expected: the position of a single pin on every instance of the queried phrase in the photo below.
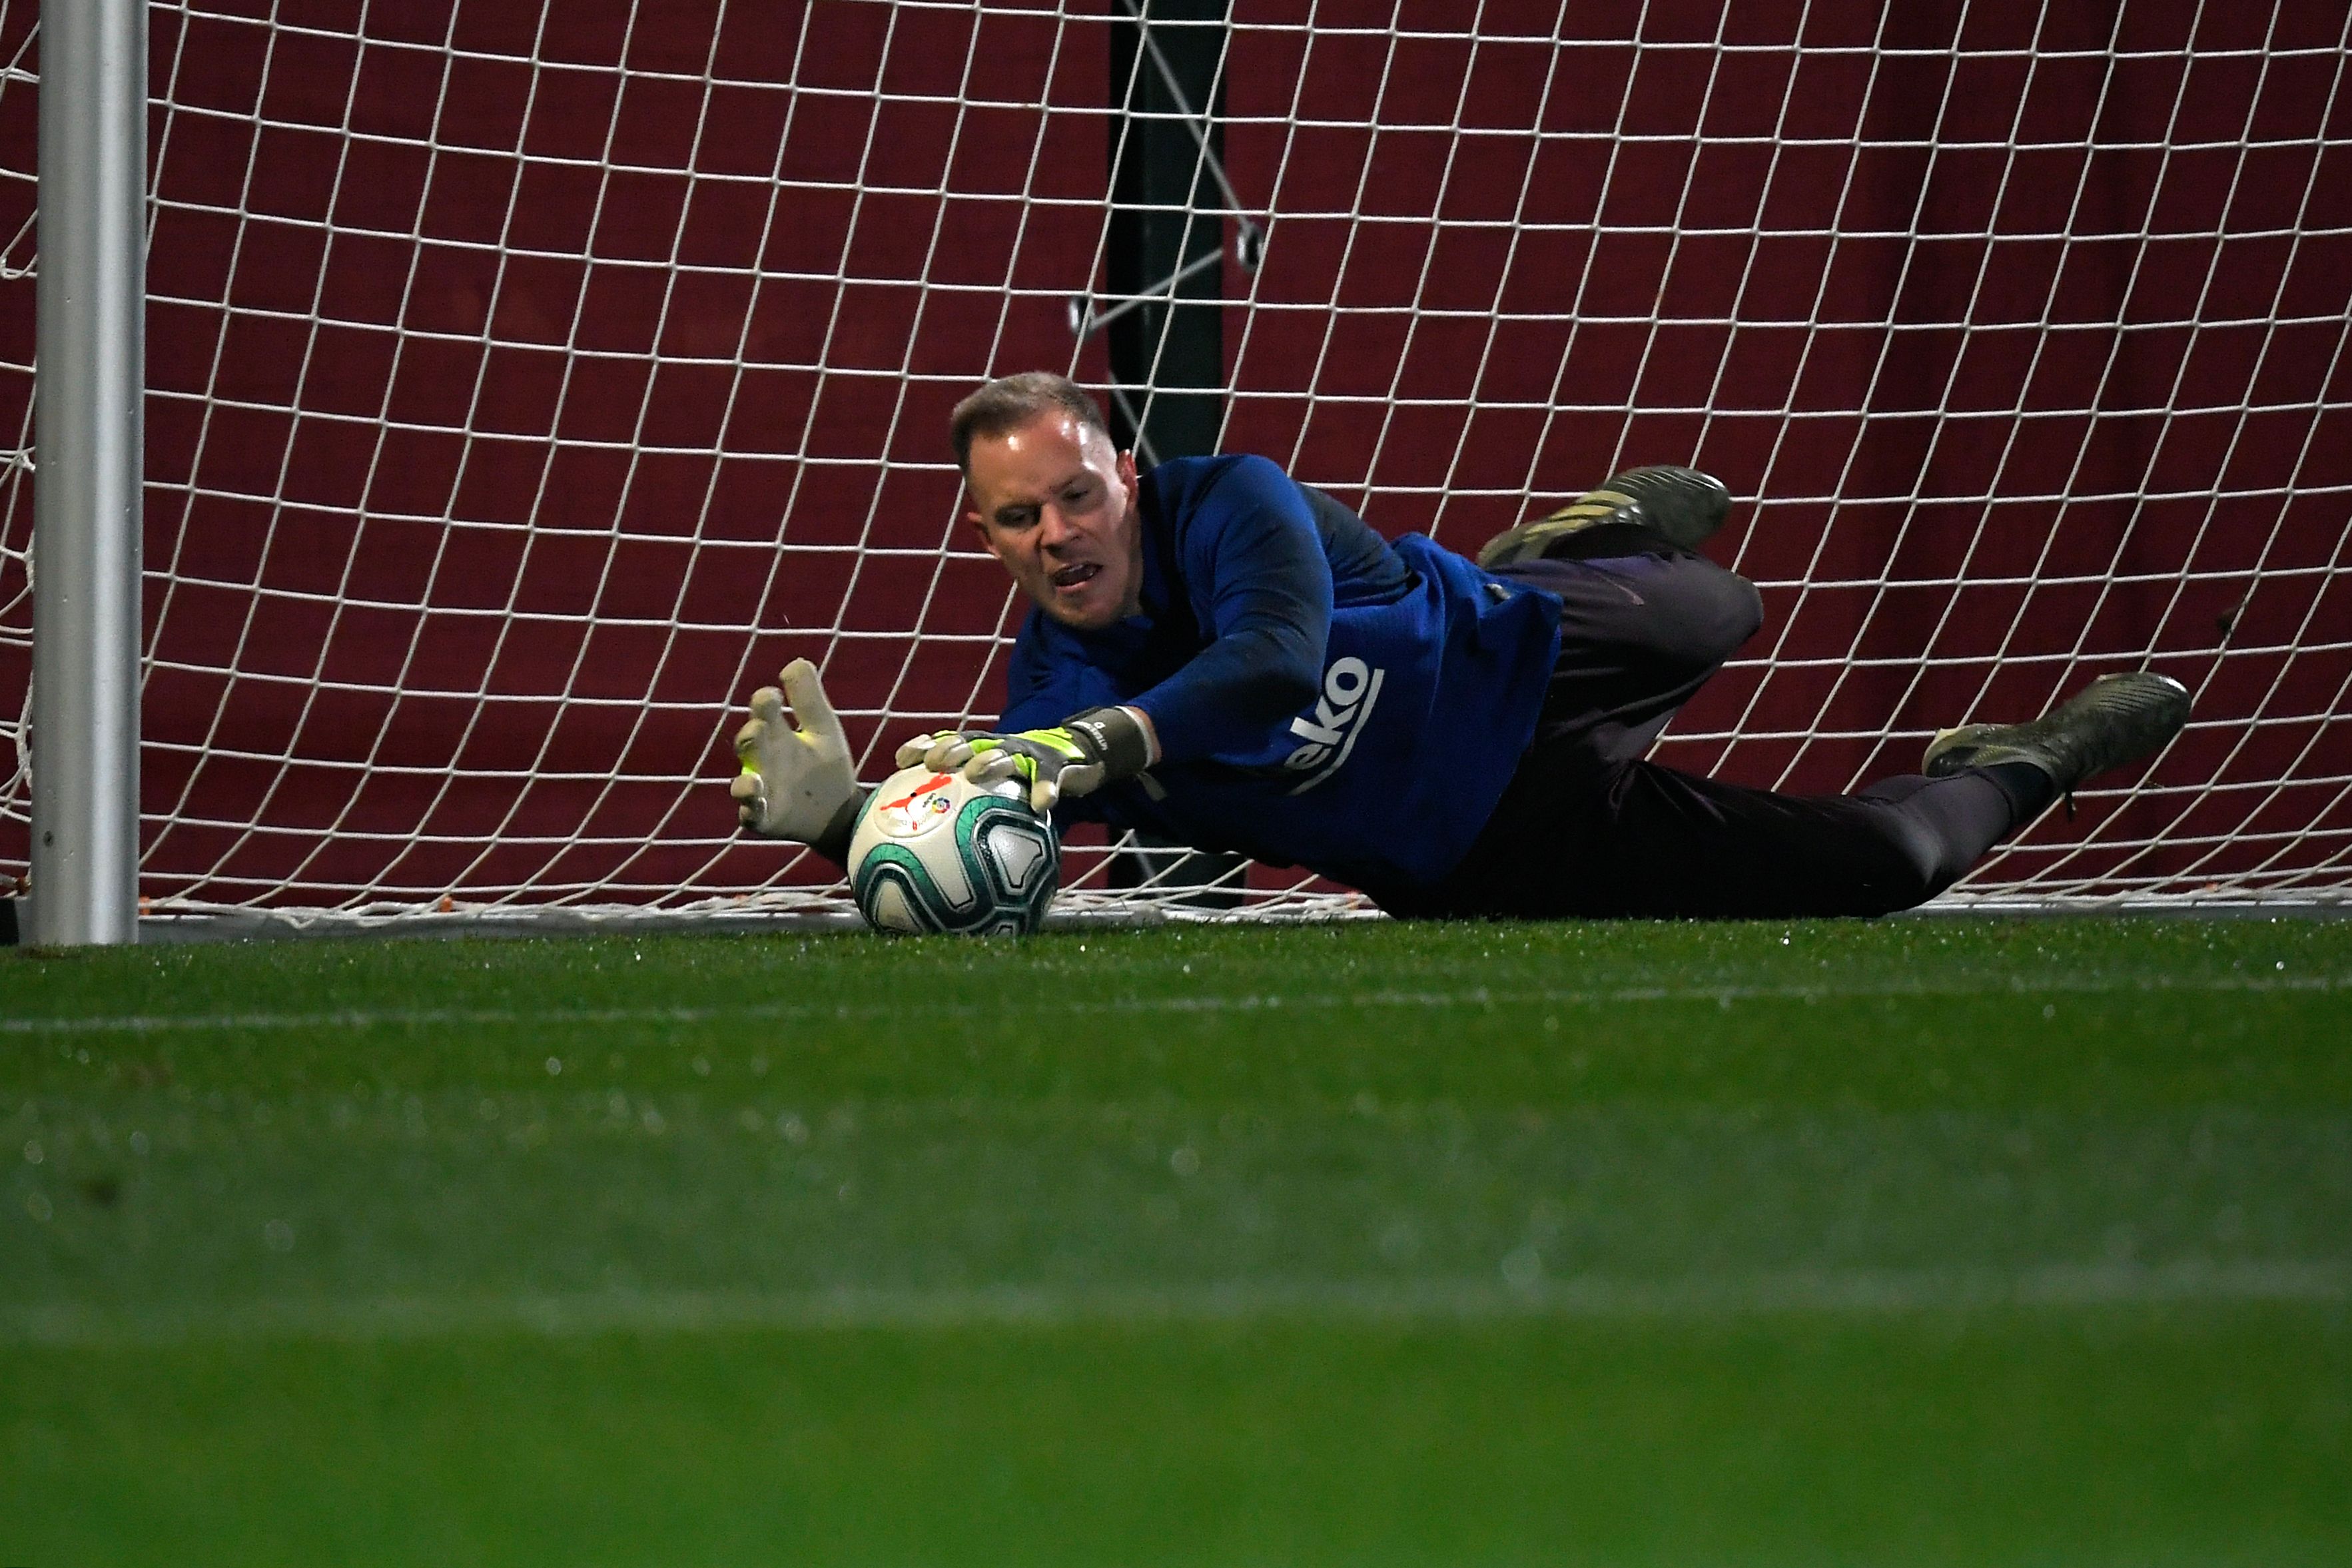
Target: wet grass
(1982, 1241)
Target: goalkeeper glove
(1097, 747)
(797, 782)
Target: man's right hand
(798, 781)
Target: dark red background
(486, 377)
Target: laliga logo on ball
(935, 852)
(924, 808)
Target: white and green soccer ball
(935, 852)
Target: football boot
(2115, 720)
(1681, 506)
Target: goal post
(84, 709)
(526, 383)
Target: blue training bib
(1424, 708)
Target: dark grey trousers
(1588, 829)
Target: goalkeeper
(1225, 658)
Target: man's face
(1057, 505)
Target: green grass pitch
(1929, 1241)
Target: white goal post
(528, 381)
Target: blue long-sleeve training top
(1322, 698)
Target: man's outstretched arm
(797, 779)
(1253, 546)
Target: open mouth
(1071, 576)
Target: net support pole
(1163, 254)
(88, 431)
(1164, 262)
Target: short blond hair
(1012, 401)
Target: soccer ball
(935, 852)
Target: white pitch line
(1848, 1293)
(1359, 1001)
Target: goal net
(528, 381)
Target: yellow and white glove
(798, 781)
(1097, 747)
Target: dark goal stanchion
(1163, 316)
(1161, 312)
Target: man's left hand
(1076, 758)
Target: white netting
(530, 381)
